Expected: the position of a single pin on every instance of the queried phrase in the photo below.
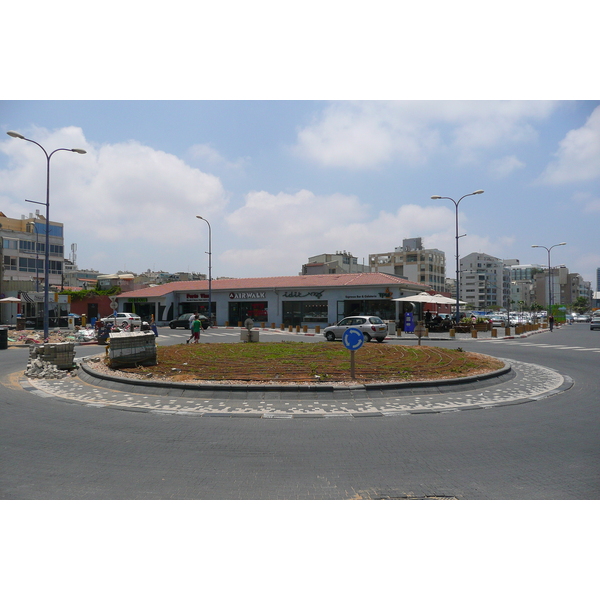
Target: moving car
(184, 321)
(124, 319)
(372, 327)
(595, 323)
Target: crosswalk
(552, 346)
(183, 335)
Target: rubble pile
(51, 361)
(41, 369)
(55, 336)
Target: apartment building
(413, 262)
(23, 247)
(330, 264)
(484, 281)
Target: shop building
(295, 300)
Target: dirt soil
(325, 362)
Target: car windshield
(375, 320)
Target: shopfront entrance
(240, 311)
(385, 309)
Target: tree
(581, 305)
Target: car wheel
(172, 326)
(329, 336)
(367, 337)
(380, 339)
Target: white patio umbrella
(424, 297)
(11, 299)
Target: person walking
(551, 322)
(196, 327)
(193, 317)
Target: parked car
(372, 327)
(595, 323)
(184, 321)
(582, 318)
(497, 320)
(122, 319)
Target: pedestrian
(551, 322)
(196, 326)
(193, 317)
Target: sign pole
(353, 339)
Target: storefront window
(385, 309)
(240, 311)
(308, 311)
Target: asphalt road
(51, 449)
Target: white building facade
(295, 300)
(484, 282)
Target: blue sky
(280, 181)
(296, 136)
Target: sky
(280, 181)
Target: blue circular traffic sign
(353, 338)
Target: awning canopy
(11, 299)
(426, 298)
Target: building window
(55, 267)
(10, 244)
(28, 265)
(10, 263)
(295, 312)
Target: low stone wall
(132, 348)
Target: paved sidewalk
(523, 383)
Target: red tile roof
(293, 281)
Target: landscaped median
(289, 363)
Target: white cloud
(588, 202)
(121, 199)
(367, 135)
(280, 231)
(207, 155)
(502, 167)
(578, 155)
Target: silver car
(595, 323)
(123, 319)
(372, 327)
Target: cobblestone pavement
(525, 383)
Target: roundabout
(516, 383)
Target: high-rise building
(484, 282)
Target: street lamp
(47, 203)
(549, 273)
(209, 269)
(456, 203)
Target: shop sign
(379, 295)
(195, 296)
(247, 295)
(301, 295)
(138, 300)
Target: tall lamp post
(209, 269)
(456, 203)
(47, 203)
(37, 256)
(549, 273)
